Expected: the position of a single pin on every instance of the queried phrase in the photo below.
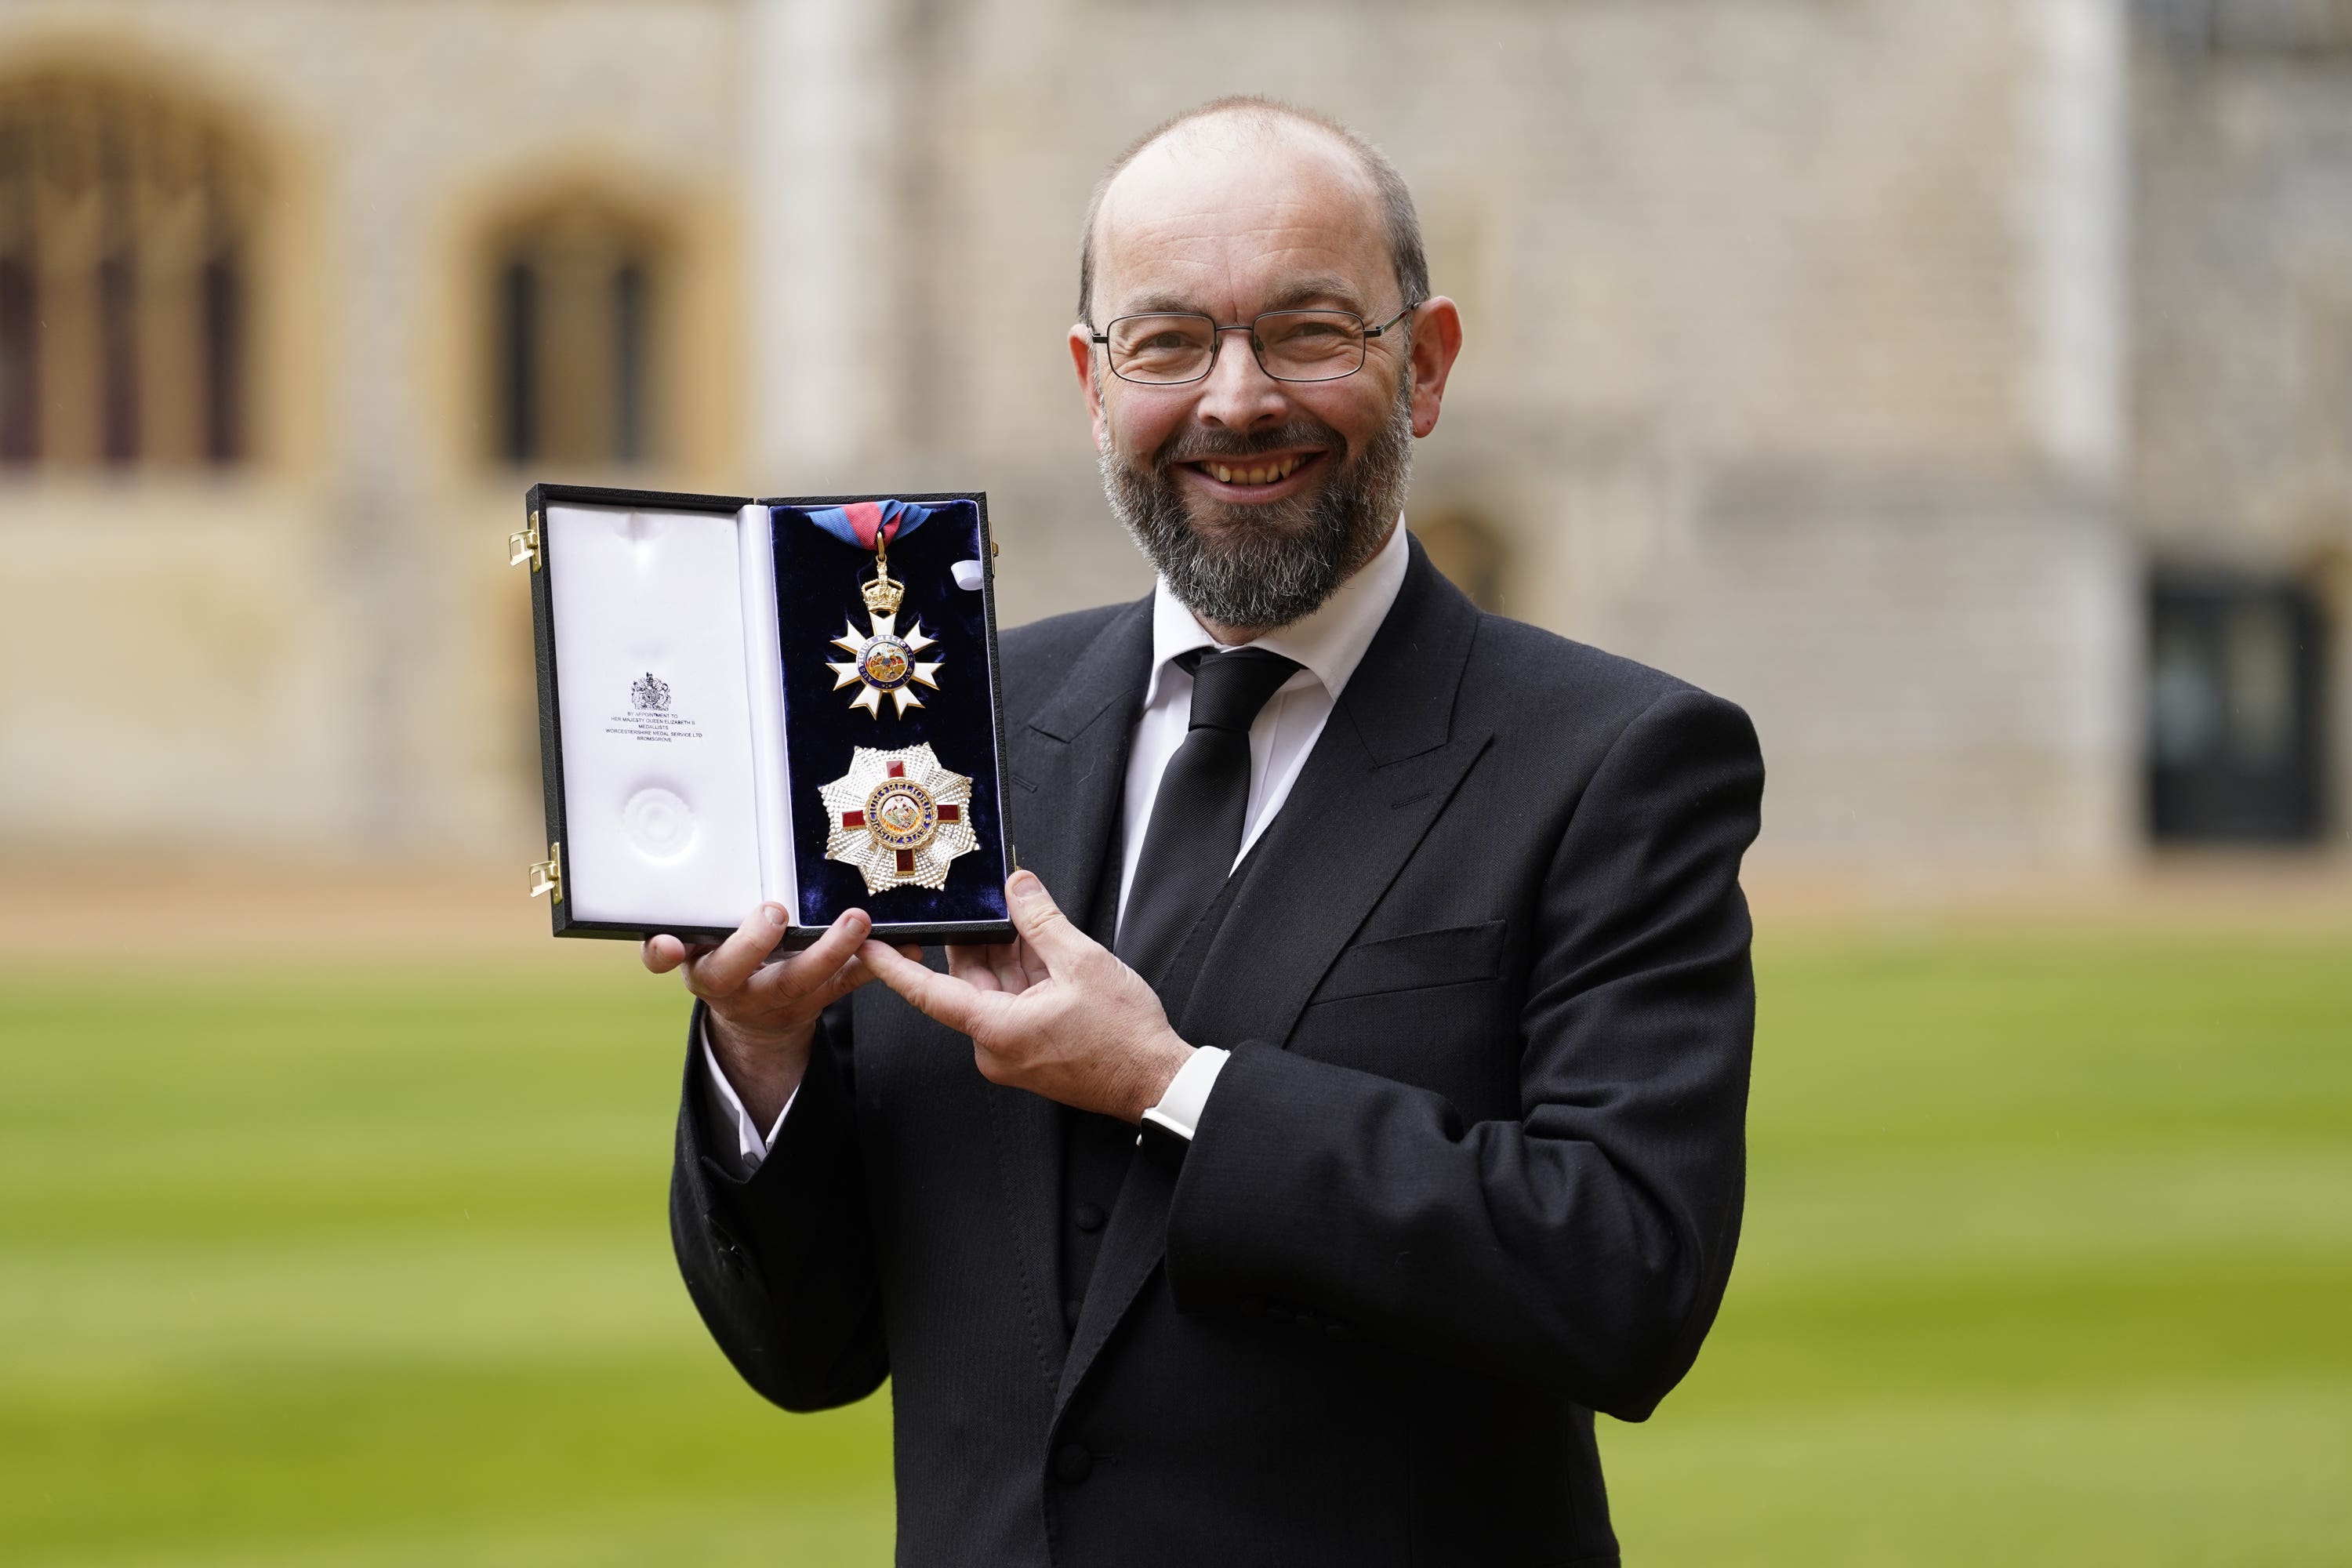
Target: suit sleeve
(1584, 1247)
(780, 1263)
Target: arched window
(125, 249)
(576, 294)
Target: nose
(1237, 394)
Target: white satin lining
(763, 667)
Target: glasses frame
(1258, 349)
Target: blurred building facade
(1965, 387)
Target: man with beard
(1361, 1106)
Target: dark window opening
(20, 377)
(2311, 28)
(2281, 29)
(117, 359)
(2236, 710)
(629, 363)
(574, 340)
(223, 351)
(519, 362)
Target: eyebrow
(1327, 289)
(1320, 289)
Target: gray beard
(1263, 566)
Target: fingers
(997, 967)
(837, 946)
(1045, 931)
(828, 964)
(663, 953)
(833, 987)
(955, 1002)
(976, 964)
(722, 971)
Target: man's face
(1256, 497)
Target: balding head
(1234, 138)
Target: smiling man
(1362, 1106)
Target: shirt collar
(1328, 644)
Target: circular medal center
(901, 815)
(886, 663)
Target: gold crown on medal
(883, 594)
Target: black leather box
(740, 702)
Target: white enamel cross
(884, 660)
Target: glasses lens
(1310, 346)
(1161, 348)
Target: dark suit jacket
(1472, 1172)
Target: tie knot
(1229, 688)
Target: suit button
(1073, 1464)
(1090, 1217)
(1339, 1333)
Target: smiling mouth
(1254, 471)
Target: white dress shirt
(1327, 646)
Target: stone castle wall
(1796, 365)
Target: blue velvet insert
(818, 580)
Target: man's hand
(763, 1015)
(1053, 1013)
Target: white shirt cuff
(726, 1111)
(1187, 1095)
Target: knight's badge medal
(900, 817)
(883, 660)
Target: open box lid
(697, 743)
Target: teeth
(1272, 473)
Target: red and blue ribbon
(868, 524)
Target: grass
(2050, 1239)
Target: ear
(1082, 357)
(1436, 341)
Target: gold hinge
(995, 550)
(524, 544)
(547, 876)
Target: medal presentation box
(789, 701)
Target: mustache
(1301, 434)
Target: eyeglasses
(1170, 348)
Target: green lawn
(2049, 1249)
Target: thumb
(1042, 923)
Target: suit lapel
(1069, 765)
(1073, 752)
(1386, 764)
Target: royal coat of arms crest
(650, 693)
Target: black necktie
(1196, 818)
